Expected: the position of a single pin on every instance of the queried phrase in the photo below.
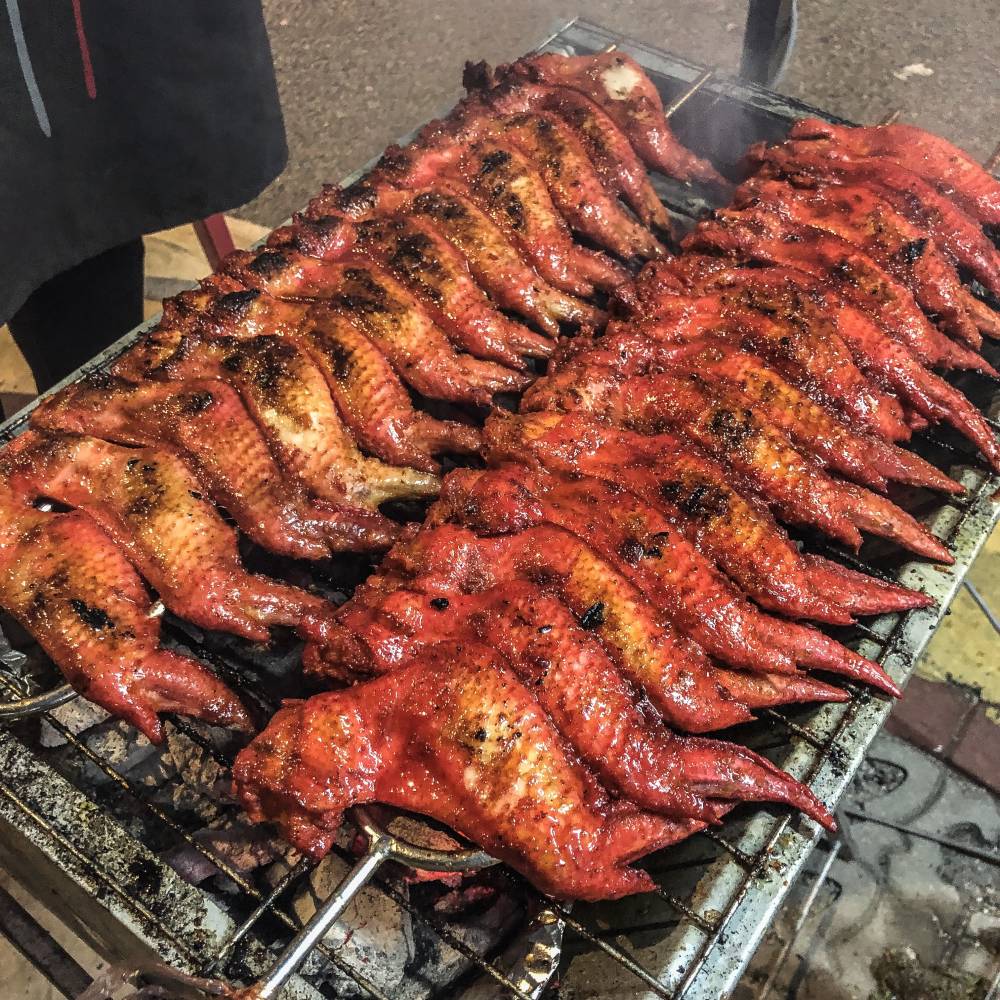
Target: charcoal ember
(245, 847)
(77, 716)
(235, 845)
(192, 779)
(400, 951)
(118, 744)
(374, 934)
(465, 897)
(191, 864)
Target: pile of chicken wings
(535, 664)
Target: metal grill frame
(75, 856)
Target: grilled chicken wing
(860, 216)
(369, 395)
(554, 150)
(764, 236)
(744, 379)
(412, 250)
(617, 734)
(914, 198)
(673, 671)
(492, 257)
(694, 494)
(387, 314)
(617, 83)
(784, 328)
(69, 585)
(607, 147)
(149, 502)
(887, 361)
(574, 184)
(368, 640)
(760, 454)
(508, 188)
(287, 395)
(952, 171)
(459, 738)
(206, 422)
(648, 550)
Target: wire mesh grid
(724, 882)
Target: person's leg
(78, 313)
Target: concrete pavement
(356, 76)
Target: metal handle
(36, 704)
(382, 846)
(379, 850)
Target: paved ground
(356, 76)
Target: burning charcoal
(236, 845)
(374, 934)
(77, 716)
(244, 847)
(198, 783)
(115, 743)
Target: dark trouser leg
(78, 313)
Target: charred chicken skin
(154, 509)
(740, 536)
(761, 235)
(491, 255)
(960, 236)
(673, 671)
(369, 394)
(207, 424)
(615, 731)
(760, 455)
(887, 362)
(289, 399)
(744, 379)
(558, 154)
(511, 192)
(652, 554)
(458, 737)
(607, 147)
(777, 325)
(389, 316)
(433, 270)
(675, 674)
(862, 217)
(73, 590)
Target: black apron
(121, 117)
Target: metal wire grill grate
(716, 892)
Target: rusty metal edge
(81, 862)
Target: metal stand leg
(215, 239)
(40, 948)
(768, 40)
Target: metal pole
(322, 920)
(41, 949)
(767, 40)
(678, 102)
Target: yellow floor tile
(967, 648)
